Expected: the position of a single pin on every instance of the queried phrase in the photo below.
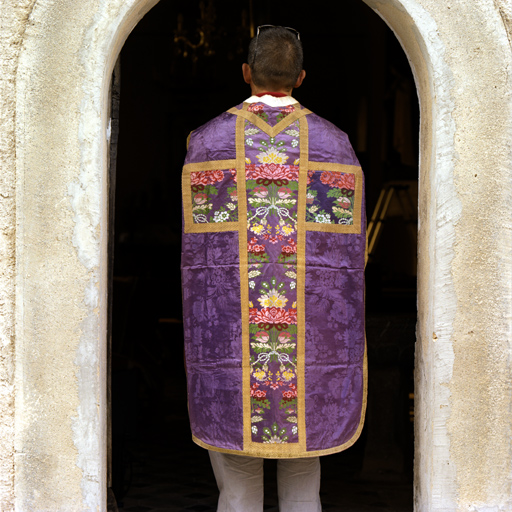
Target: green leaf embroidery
(334, 192)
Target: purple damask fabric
(212, 331)
(250, 265)
(334, 295)
(205, 146)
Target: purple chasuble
(273, 284)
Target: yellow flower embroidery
(273, 299)
(257, 228)
(259, 374)
(288, 375)
(288, 230)
(272, 156)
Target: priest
(273, 263)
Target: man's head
(275, 60)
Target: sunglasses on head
(290, 29)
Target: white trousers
(240, 482)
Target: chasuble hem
(273, 451)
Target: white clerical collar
(272, 101)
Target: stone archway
(68, 53)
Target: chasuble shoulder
(273, 260)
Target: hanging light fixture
(206, 33)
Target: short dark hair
(275, 58)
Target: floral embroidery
(201, 178)
(214, 196)
(273, 435)
(272, 298)
(285, 111)
(256, 251)
(267, 318)
(272, 155)
(258, 110)
(288, 252)
(330, 197)
(272, 175)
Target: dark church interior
(180, 67)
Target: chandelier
(204, 40)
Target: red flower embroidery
(279, 318)
(200, 198)
(253, 313)
(287, 110)
(206, 177)
(261, 336)
(266, 174)
(284, 193)
(258, 250)
(290, 395)
(344, 202)
(254, 107)
(261, 191)
(291, 248)
(338, 180)
(256, 393)
(255, 248)
(284, 337)
(292, 313)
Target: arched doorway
(61, 320)
(359, 79)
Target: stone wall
(13, 18)
(463, 375)
(56, 57)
